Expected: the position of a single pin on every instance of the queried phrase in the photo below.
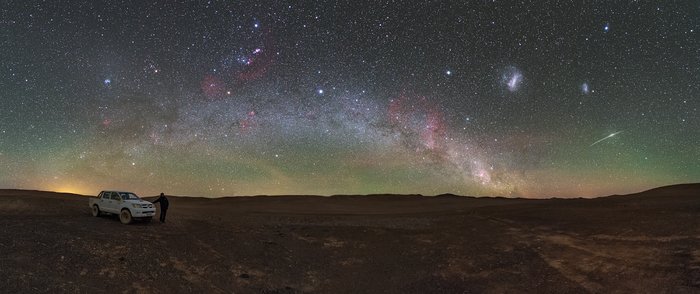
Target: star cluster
(212, 98)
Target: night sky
(510, 98)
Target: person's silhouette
(163, 206)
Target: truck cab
(125, 204)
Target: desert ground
(641, 243)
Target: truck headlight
(136, 205)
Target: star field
(214, 98)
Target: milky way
(216, 98)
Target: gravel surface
(642, 243)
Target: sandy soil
(641, 243)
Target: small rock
(244, 276)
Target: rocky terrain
(641, 243)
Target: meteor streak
(605, 138)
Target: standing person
(163, 206)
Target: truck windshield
(129, 196)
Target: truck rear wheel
(125, 216)
(95, 210)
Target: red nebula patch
(248, 123)
(434, 132)
(413, 114)
(259, 61)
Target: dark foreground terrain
(641, 243)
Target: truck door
(106, 202)
(100, 201)
(115, 202)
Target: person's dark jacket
(163, 202)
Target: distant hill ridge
(677, 189)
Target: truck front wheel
(125, 216)
(95, 210)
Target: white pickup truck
(126, 204)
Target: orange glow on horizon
(70, 188)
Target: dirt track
(644, 243)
